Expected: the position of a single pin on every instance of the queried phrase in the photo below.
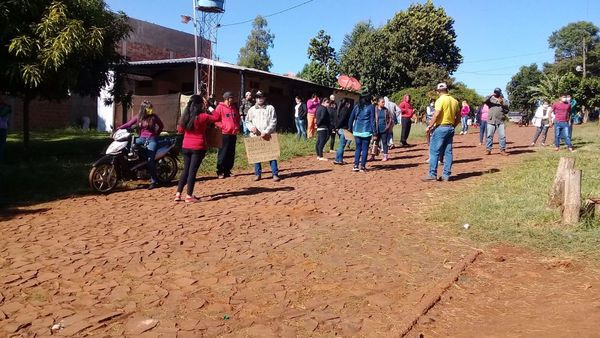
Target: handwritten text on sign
(259, 150)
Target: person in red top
(562, 110)
(230, 127)
(192, 125)
(406, 119)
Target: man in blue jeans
(262, 122)
(497, 109)
(442, 126)
(562, 114)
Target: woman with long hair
(384, 122)
(193, 124)
(150, 126)
(362, 126)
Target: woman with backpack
(150, 126)
(193, 124)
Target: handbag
(374, 147)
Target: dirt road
(325, 252)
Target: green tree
(51, 48)
(417, 47)
(323, 66)
(568, 41)
(518, 88)
(549, 88)
(255, 54)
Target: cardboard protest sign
(259, 150)
(348, 135)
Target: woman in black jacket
(342, 124)
(300, 110)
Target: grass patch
(58, 163)
(511, 206)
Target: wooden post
(572, 192)
(557, 193)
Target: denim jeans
(482, 131)
(244, 126)
(384, 142)
(272, 163)
(464, 121)
(491, 129)
(322, 137)
(441, 143)
(543, 130)
(300, 128)
(561, 131)
(339, 155)
(362, 151)
(151, 145)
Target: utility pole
(584, 57)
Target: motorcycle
(123, 160)
(524, 122)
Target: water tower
(207, 15)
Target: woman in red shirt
(193, 124)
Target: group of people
(559, 115)
(259, 119)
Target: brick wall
(45, 115)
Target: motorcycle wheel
(103, 178)
(166, 169)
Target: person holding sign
(262, 121)
(229, 124)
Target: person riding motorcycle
(150, 126)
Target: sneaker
(192, 199)
(572, 150)
(385, 158)
(543, 144)
(480, 143)
(332, 151)
(355, 169)
(427, 160)
(363, 170)
(556, 149)
(276, 178)
(503, 153)
(532, 145)
(322, 159)
(338, 163)
(429, 179)
(446, 179)
(152, 186)
(221, 176)
(257, 178)
(177, 197)
(488, 152)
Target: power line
(508, 57)
(269, 15)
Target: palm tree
(548, 89)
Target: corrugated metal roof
(219, 64)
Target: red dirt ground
(325, 252)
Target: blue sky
(495, 38)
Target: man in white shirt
(262, 122)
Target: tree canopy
(519, 93)
(51, 48)
(255, 54)
(323, 66)
(417, 47)
(568, 41)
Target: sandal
(192, 199)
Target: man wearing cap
(262, 122)
(497, 108)
(247, 102)
(230, 127)
(441, 127)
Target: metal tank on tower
(207, 15)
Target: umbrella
(348, 83)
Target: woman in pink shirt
(193, 124)
(312, 106)
(464, 118)
(483, 123)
